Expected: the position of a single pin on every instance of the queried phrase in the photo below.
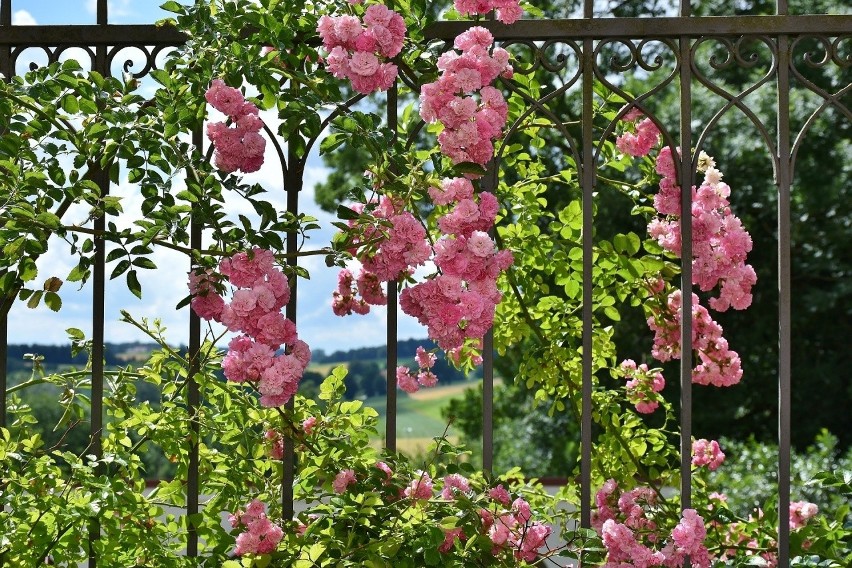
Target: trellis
(572, 47)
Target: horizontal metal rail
(674, 27)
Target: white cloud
(23, 18)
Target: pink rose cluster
(643, 384)
(261, 536)
(640, 138)
(459, 303)
(342, 480)
(393, 247)
(625, 521)
(800, 513)
(420, 488)
(345, 300)
(508, 11)
(718, 365)
(239, 147)
(255, 311)
(359, 51)
(411, 382)
(513, 529)
(471, 111)
(707, 453)
(509, 527)
(720, 243)
(276, 444)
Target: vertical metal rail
(293, 180)
(5, 303)
(588, 182)
(4, 361)
(784, 181)
(488, 401)
(686, 176)
(489, 183)
(101, 178)
(6, 50)
(193, 396)
(393, 310)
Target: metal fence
(574, 48)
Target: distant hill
(60, 355)
(117, 354)
(405, 350)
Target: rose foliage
(468, 252)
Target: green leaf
(174, 7)
(133, 284)
(345, 213)
(119, 269)
(35, 299)
(7, 280)
(69, 104)
(469, 168)
(49, 220)
(53, 301)
(144, 262)
(612, 313)
(77, 274)
(52, 284)
(27, 269)
(75, 334)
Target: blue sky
(83, 11)
(164, 288)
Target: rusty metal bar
(489, 183)
(784, 181)
(391, 364)
(92, 35)
(4, 363)
(293, 181)
(193, 395)
(588, 186)
(392, 310)
(6, 71)
(687, 173)
(488, 401)
(101, 178)
(5, 49)
(103, 17)
(692, 27)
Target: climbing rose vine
(463, 250)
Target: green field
(419, 415)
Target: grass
(418, 416)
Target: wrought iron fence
(574, 50)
